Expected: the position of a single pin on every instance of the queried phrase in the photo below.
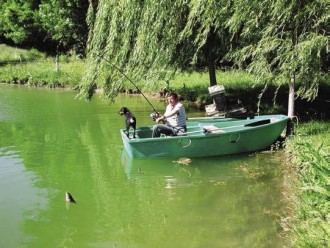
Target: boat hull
(225, 137)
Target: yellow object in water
(185, 161)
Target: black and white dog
(130, 120)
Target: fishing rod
(101, 56)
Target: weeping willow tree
(150, 41)
(292, 46)
(280, 41)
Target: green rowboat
(208, 137)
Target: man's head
(172, 98)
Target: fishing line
(101, 56)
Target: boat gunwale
(202, 134)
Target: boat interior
(198, 128)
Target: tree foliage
(65, 22)
(40, 22)
(280, 41)
(293, 39)
(151, 40)
(17, 21)
(272, 39)
(136, 36)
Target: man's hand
(162, 118)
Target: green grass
(308, 152)
(11, 54)
(37, 69)
(43, 72)
(40, 70)
(19, 66)
(230, 78)
(193, 87)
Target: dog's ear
(121, 111)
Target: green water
(51, 143)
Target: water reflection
(19, 201)
(210, 166)
(217, 193)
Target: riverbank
(307, 189)
(32, 68)
(192, 87)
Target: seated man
(174, 118)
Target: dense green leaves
(137, 37)
(38, 23)
(282, 41)
(293, 36)
(64, 21)
(17, 21)
(275, 40)
(151, 40)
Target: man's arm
(167, 114)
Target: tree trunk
(213, 78)
(57, 63)
(293, 75)
(209, 55)
(291, 95)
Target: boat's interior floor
(214, 127)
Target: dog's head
(123, 111)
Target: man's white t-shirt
(179, 119)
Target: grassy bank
(42, 71)
(308, 155)
(33, 68)
(15, 55)
(192, 87)
(30, 67)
